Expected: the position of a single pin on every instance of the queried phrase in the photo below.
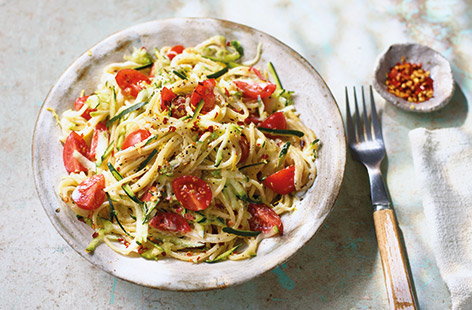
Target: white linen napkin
(443, 167)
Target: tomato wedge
(135, 137)
(244, 145)
(167, 96)
(130, 81)
(264, 219)
(175, 50)
(74, 142)
(192, 192)
(89, 195)
(171, 222)
(93, 145)
(275, 121)
(253, 91)
(204, 91)
(79, 103)
(282, 182)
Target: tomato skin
(204, 91)
(275, 121)
(129, 80)
(282, 182)
(74, 142)
(263, 218)
(175, 50)
(172, 222)
(253, 91)
(167, 96)
(244, 145)
(93, 145)
(79, 103)
(135, 137)
(89, 195)
(192, 192)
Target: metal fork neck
(378, 193)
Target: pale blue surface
(339, 267)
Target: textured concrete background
(339, 268)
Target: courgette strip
(179, 74)
(126, 111)
(218, 73)
(282, 132)
(264, 162)
(147, 160)
(129, 192)
(238, 232)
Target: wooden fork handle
(398, 281)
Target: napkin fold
(443, 167)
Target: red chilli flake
(172, 129)
(95, 235)
(410, 82)
(165, 120)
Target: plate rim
(338, 177)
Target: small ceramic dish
(313, 100)
(435, 63)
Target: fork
(364, 134)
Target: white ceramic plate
(313, 99)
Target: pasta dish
(186, 152)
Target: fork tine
(375, 117)
(351, 137)
(357, 120)
(367, 124)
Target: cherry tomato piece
(192, 192)
(130, 81)
(74, 142)
(89, 195)
(263, 218)
(167, 96)
(253, 91)
(281, 182)
(171, 222)
(244, 145)
(204, 91)
(79, 103)
(135, 137)
(275, 121)
(149, 194)
(175, 50)
(93, 145)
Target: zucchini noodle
(181, 140)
